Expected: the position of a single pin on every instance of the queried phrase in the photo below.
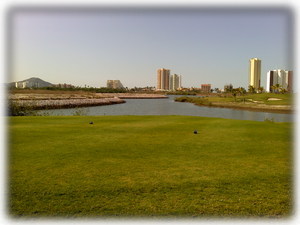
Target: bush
(196, 101)
(15, 109)
(182, 99)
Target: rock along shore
(73, 100)
(55, 96)
(67, 103)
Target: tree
(234, 92)
(282, 90)
(228, 88)
(260, 89)
(275, 88)
(242, 91)
(217, 90)
(251, 89)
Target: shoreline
(283, 109)
(256, 105)
(47, 101)
(73, 100)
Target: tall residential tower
(254, 72)
(281, 77)
(163, 79)
(175, 82)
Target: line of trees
(278, 89)
(240, 90)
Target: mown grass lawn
(148, 166)
(282, 99)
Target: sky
(88, 46)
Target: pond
(169, 107)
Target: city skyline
(206, 45)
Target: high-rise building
(282, 77)
(254, 72)
(114, 84)
(290, 81)
(205, 88)
(172, 82)
(163, 78)
(175, 82)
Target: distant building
(163, 79)
(255, 72)
(290, 81)
(205, 88)
(21, 84)
(175, 82)
(282, 77)
(114, 84)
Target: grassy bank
(153, 166)
(263, 98)
(268, 102)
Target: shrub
(182, 99)
(196, 101)
(15, 109)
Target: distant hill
(31, 82)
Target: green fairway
(149, 166)
(282, 99)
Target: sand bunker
(274, 99)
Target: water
(170, 107)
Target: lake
(169, 107)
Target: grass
(256, 102)
(195, 100)
(149, 166)
(285, 99)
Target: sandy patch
(274, 99)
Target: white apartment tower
(281, 77)
(175, 82)
(254, 72)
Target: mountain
(32, 82)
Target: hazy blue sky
(204, 45)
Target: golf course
(148, 167)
